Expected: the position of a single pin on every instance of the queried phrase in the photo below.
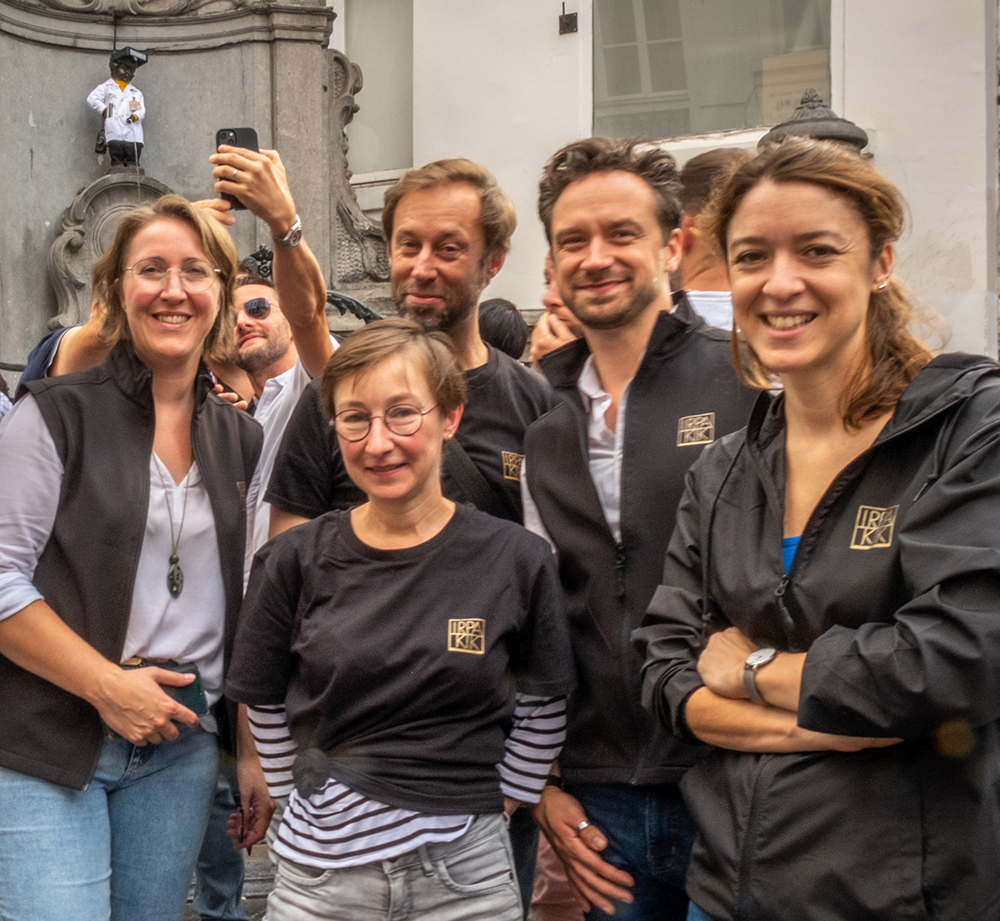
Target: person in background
(502, 326)
(646, 388)
(702, 273)
(827, 618)
(557, 326)
(121, 552)
(395, 635)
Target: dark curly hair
(604, 155)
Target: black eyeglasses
(354, 425)
(257, 308)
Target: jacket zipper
(743, 906)
(620, 567)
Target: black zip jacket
(101, 421)
(894, 593)
(682, 397)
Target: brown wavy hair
(431, 351)
(895, 355)
(215, 243)
(581, 159)
(497, 216)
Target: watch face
(760, 656)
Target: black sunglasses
(257, 308)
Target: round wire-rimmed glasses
(354, 424)
(194, 276)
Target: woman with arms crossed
(120, 561)
(395, 636)
(829, 613)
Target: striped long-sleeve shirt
(338, 827)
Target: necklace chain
(175, 575)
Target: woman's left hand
(249, 825)
(721, 663)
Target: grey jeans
(469, 879)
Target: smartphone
(191, 695)
(236, 137)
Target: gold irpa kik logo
(512, 465)
(467, 634)
(873, 528)
(696, 430)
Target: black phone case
(245, 137)
(192, 695)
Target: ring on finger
(235, 173)
(584, 824)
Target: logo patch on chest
(512, 465)
(696, 430)
(873, 527)
(467, 635)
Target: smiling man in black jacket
(647, 387)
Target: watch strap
(292, 237)
(750, 684)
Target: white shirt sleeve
(30, 482)
(532, 519)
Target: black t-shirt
(402, 665)
(504, 398)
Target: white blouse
(188, 628)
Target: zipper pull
(620, 568)
(779, 595)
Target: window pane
(617, 21)
(621, 68)
(724, 64)
(663, 19)
(666, 67)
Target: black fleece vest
(102, 422)
(684, 395)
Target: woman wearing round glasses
(395, 635)
(121, 547)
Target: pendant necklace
(175, 575)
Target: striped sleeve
(275, 747)
(533, 745)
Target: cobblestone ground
(259, 878)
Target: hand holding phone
(235, 137)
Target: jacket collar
(135, 378)
(944, 381)
(562, 368)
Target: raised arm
(258, 180)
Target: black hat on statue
(138, 58)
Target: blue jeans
(218, 877)
(123, 849)
(650, 833)
(469, 879)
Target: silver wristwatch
(756, 659)
(292, 238)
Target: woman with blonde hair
(121, 547)
(828, 614)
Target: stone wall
(215, 64)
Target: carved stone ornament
(165, 25)
(360, 246)
(85, 230)
(143, 7)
